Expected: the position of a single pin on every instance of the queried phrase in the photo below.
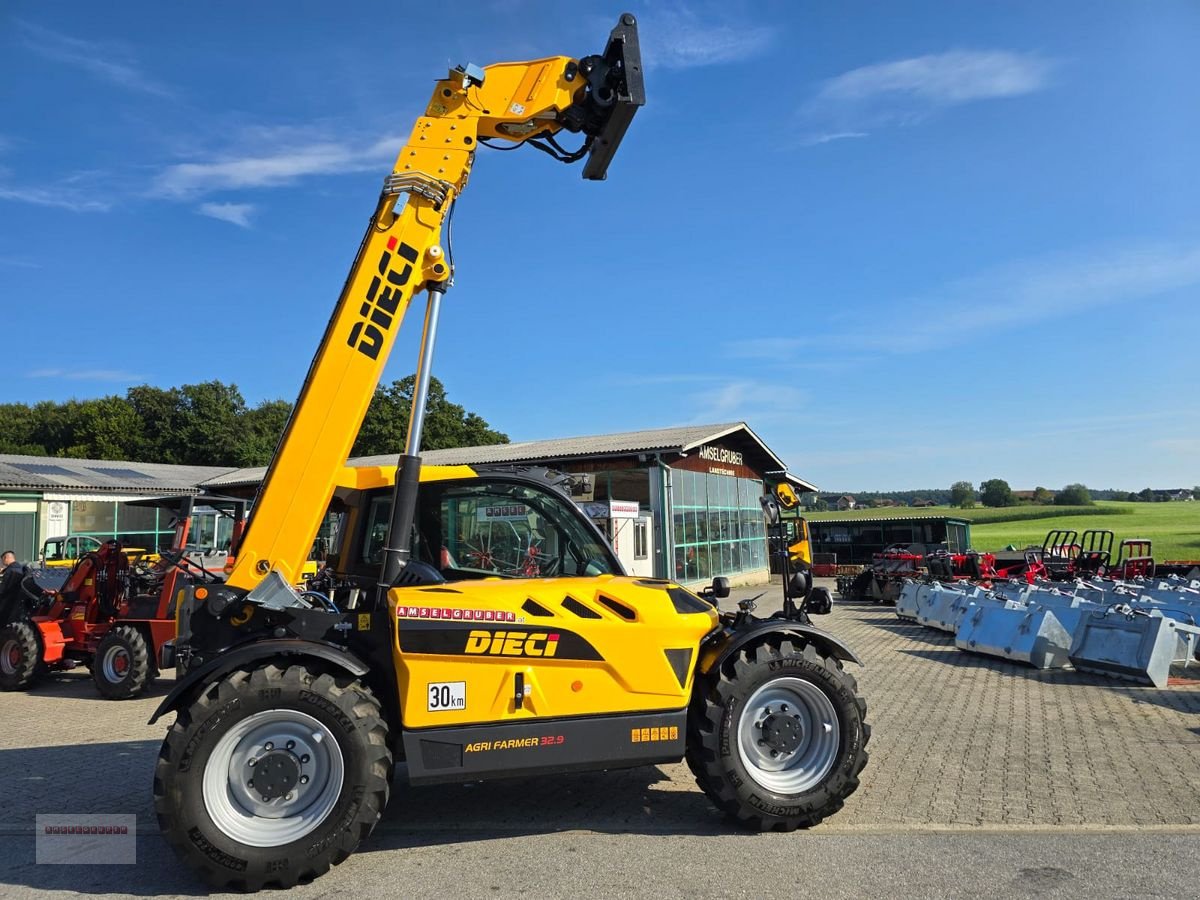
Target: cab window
(480, 529)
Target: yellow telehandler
(472, 622)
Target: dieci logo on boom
(512, 643)
(378, 311)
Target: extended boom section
(402, 255)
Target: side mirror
(786, 496)
(770, 509)
(720, 587)
(800, 584)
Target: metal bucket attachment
(909, 601)
(1032, 634)
(1129, 643)
(943, 608)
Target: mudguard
(723, 645)
(253, 652)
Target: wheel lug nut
(287, 796)
(250, 783)
(304, 758)
(268, 746)
(304, 779)
(252, 763)
(291, 744)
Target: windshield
(495, 528)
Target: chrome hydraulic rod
(397, 547)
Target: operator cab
(492, 525)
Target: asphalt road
(911, 862)
(986, 779)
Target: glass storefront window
(134, 526)
(717, 524)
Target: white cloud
(107, 62)
(86, 374)
(907, 91)
(680, 38)
(271, 168)
(1012, 297)
(18, 263)
(234, 213)
(829, 137)
(52, 198)
(1024, 293)
(747, 400)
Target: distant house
(880, 502)
(846, 501)
(921, 502)
(1182, 495)
(1032, 496)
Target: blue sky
(909, 243)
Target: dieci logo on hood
(511, 643)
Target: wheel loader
(430, 641)
(114, 611)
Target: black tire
(718, 760)
(342, 811)
(122, 667)
(20, 656)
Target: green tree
(107, 428)
(157, 408)
(962, 494)
(996, 492)
(1073, 495)
(17, 430)
(262, 427)
(447, 424)
(208, 424)
(1042, 495)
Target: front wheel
(777, 737)
(272, 775)
(20, 656)
(122, 668)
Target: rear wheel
(20, 656)
(777, 737)
(122, 668)
(273, 775)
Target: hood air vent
(570, 604)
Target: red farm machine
(114, 617)
(1064, 556)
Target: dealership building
(679, 503)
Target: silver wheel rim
(285, 740)
(804, 711)
(10, 656)
(116, 664)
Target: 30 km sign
(446, 695)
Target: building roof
(890, 520)
(42, 473)
(680, 440)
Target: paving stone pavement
(958, 741)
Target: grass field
(1174, 527)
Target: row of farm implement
(1069, 603)
(1064, 555)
